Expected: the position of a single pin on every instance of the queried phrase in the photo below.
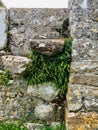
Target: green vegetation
(50, 69)
(57, 127)
(4, 77)
(0, 5)
(12, 126)
(20, 126)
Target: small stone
(44, 111)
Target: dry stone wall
(82, 97)
(22, 30)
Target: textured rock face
(30, 24)
(3, 28)
(29, 29)
(82, 94)
(15, 64)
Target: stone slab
(3, 28)
(82, 121)
(82, 97)
(44, 46)
(83, 67)
(85, 79)
(85, 49)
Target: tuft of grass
(57, 127)
(54, 69)
(4, 77)
(12, 126)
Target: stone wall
(82, 97)
(21, 31)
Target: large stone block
(84, 79)
(3, 28)
(82, 121)
(83, 67)
(85, 49)
(80, 97)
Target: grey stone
(84, 79)
(44, 111)
(28, 24)
(83, 67)
(48, 47)
(3, 28)
(46, 91)
(34, 126)
(95, 15)
(85, 49)
(82, 95)
(15, 64)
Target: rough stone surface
(48, 47)
(46, 91)
(85, 79)
(82, 94)
(28, 24)
(3, 28)
(82, 121)
(44, 111)
(82, 97)
(15, 64)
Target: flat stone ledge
(48, 46)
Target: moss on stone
(50, 69)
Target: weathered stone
(95, 15)
(15, 64)
(48, 47)
(28, 24)
(83, 67)
(44, 111)
(34, 126)
(3, 28)
(46, 91)
(38, 17)
(85, 79)
(85, 49)
(82, 95)
(81, 121)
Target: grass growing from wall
(4, 77)
(12, 126)
(50, 69)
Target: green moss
(12, 126)
(50, 69)
(4, 77)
